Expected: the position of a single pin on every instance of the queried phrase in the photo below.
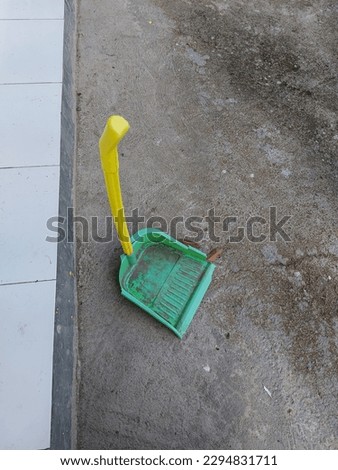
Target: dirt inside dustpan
(168, 280)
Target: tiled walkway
(31, 44)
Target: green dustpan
(168, 280)
(159, 274)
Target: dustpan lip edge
(146, 230)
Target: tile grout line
(38, 281)
(30, 83)
(31, 19)
(28, 166)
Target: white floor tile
(26, 347)
(31, 51)
(28, 198)
(31, 9)
(30, 124)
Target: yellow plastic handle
(115, 130)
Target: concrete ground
(232, 106)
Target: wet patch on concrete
(274, 56)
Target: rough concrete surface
(232, 106)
